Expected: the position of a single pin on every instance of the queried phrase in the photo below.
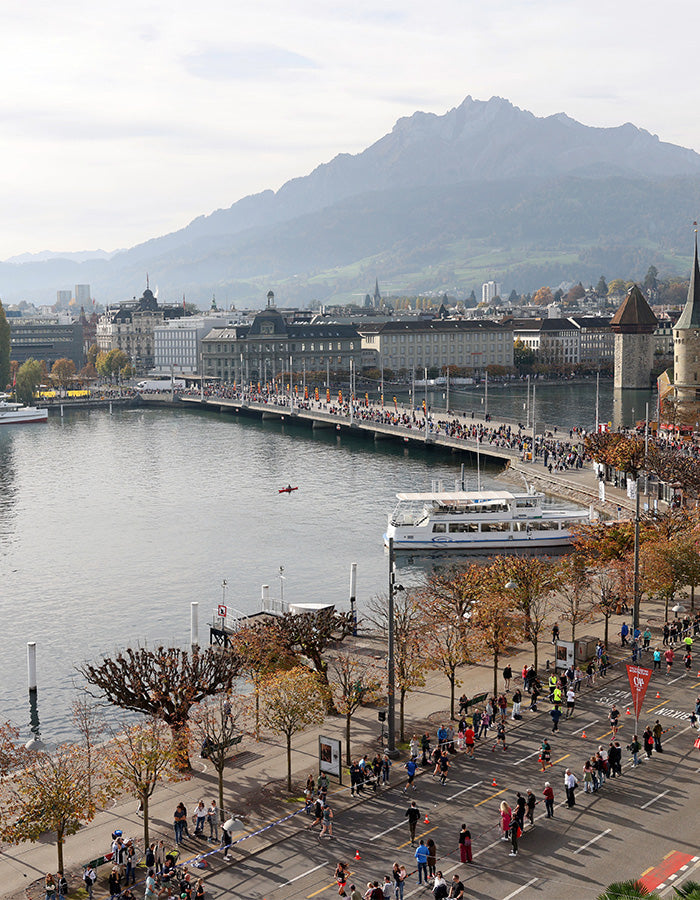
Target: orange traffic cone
(357, 854)
(493, 783)
(583, 735)
(426, 820)
(658, 695)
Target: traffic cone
(357, 854)
(493, 783)
(583, 735)
(426, 820)
(627, 712)
(658, 695)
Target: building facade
(269, 346)
(557, 342)
(435, 343)
(489, 290)
(686, 341)
(130, 327)
(176, 343)
(46, 339)
(633, 326)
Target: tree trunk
(452, 693)
(495, 673)
(535, 645)
(220, 773)
(257, 712)
(289, 763)
(144, 802)
(692, 598)
(402, 706)
(59, 849)
(180, 733)
(607, 620)
(348, 758)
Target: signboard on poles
(329, 757)
(639, 678)
(222, 611)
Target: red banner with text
(639, 682)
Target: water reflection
(8, 487)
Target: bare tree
(213, 726)
(353, 683)
(89, 721)
(575, 601)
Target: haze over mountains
(440, 203)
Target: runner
(411, 771)
(614, 719)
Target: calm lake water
(111, 525)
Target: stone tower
(633, 325)
(686, 341)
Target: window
(439, 528)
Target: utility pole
(392, 752)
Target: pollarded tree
(50, 793)
(291, 701)
(576, 603)
(138, 758)
(4, 349)
(456, 587)
(164, 682)
(499, 623)
(309, 635)
(214, 725)
(354, 683)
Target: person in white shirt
(570, 703)
(570, 786)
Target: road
(642, 823)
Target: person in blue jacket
(421, 855)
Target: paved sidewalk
(254, 782)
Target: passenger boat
(17, 414)
(480, 521)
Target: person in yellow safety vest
(553, 681)
(557, 696)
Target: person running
(668, 656)
(443, 766)
(555, 713)
(500, 736)
(469, 740)
(545, 754)
(614, 719)
(570, 702)
(412, 814)
(465, 844)
(657, 659)
(342, 870)
(411, 773)
(327, 822)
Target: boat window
(494, 526)
(526, 504)
(439, 528)
(463, 527)
(545, 526)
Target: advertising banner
(639, 681)
(329, 758)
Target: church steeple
(690, 317)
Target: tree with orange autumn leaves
(354, 683)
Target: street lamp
(391, 750)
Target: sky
(121, 120)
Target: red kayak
(287, 490)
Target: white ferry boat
(480, 521)
(16, 414)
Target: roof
(634, 315)
(591, 321)
(690, 317)
(465, 496)
(444, 325)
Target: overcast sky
(121, 120)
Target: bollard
(31, 666)
(194, 624)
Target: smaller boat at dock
(480, 521)
(18, 414)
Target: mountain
(441, 202)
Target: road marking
(491, 797)
(604, 735)
(520, 889)
(653, 799)
(382, 833)
(593, 840)
(677, 679)
(560, 759)
(529, 756)
(406, 843)
(584, 727)
(655, 707)
(657, 876)
(471, 786)
(303, 874)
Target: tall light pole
(391, 678)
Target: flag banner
(639, 678)
(340, 396)
(328, 395)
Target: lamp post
(391, 750)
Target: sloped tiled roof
(634, 315)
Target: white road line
(303, 874)
(382, 833)
(674, 680)
(520, 889)
(464, 791)
(593, 840)
(585, 726)
(654, 799)
(517, 763)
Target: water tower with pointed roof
(686, 341)
(633, 325)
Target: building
(176, 343)
(63, 299)
(633, 326)
(686, 341)
(130, 327)
(435, 343)
(270, 346)
(489, 290)
(557, 342)
(596, 340)
(82, 295)
(46, 339)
